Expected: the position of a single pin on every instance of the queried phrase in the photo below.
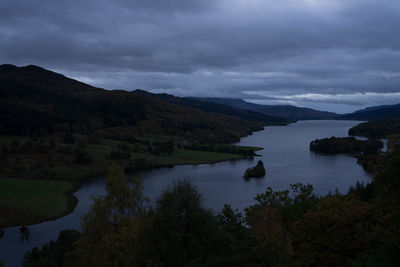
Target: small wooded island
(255, 172)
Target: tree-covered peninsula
(346, 145)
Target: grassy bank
(31, 201)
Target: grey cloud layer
(220, 48)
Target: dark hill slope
(37, 101)
(374, 113)
(377, 128)
(284, 111)
(39, 77)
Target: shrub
(42, 149)
(118, 154)
(94, 140)
(82, 156)
(64, 150)
(52, 144)
(68, 138)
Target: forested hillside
(35, 101)
(377, 128)
(374, 113)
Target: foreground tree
(288, 205)
(181, 232)
(109, 230)
(334, 232)
(387, 172)
(271, 219)
(52, 253)
(384, 252)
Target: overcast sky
(325, 54)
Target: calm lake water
(286, 157)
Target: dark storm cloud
(333, 52)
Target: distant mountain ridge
(374, 113)
(376, 108)
(284, 111)
(209, 106)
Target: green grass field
(32, 198)
(191, 156)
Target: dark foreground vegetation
(284, 228)
(256, 171)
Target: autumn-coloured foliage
(110, 228)
(334, 232)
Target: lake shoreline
(77, 183)
(72, 201)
